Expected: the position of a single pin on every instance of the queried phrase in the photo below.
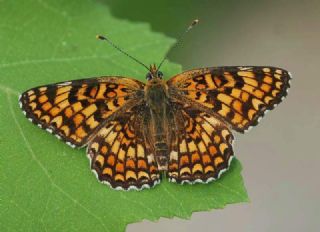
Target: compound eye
(160, 74)
(148, 76)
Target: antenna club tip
(100, 37)
(195, 22)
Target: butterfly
(137, 132)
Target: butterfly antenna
(119, 49)
(194, 22)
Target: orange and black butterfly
(135, 132)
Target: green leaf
(46, 185)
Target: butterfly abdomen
(161, 155)
(156, 98)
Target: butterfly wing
(201, 149)
(75, 110)
(239, 96)
(121, 154)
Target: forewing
(201, 149)
(121, 154)
(74, 110)
(240, 96)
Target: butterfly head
(154, 73)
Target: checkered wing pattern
(74, 111)
(201, 149)
(121, 154)
(239, 96)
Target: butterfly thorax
(156, 98)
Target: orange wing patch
(202, 150)
(74, 110)
(121, 156)
(237, 95)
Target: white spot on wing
(248, 129)
(65, 83)
(70, 144)
(58, 136)
(185, 181)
